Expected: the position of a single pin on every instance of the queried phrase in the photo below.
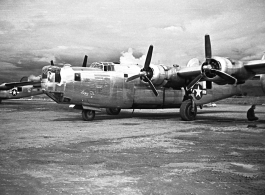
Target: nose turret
(50, 77)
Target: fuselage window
(77, 77)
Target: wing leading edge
(256, 66)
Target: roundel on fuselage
(197, 91)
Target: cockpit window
(105, 66)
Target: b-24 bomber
(119, 86)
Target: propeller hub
(209, 66)
(147, 73)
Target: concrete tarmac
(46, 148)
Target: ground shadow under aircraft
(207, 116)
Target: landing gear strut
(88, 115)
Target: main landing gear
(113, 111)
(88, 115)
(188, 108)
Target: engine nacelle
(226, 65)
(193, 62)
(159, 74)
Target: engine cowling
(159, 76)
(231, 67)
(194, 62)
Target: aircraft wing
(256, 66)
(7, 86)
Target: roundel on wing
(197, 91)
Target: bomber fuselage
(107, 88)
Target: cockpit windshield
(104, 66)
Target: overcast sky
(34, 32)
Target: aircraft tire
(186, 113)
(88, 115)
(113, 111)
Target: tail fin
(263, 57)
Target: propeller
(85, 61)
(52, 63)
(208, 55)
(146, 73)
(206, 65)
(210, 68)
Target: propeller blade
(52, 63)
(148, 58)
(230, 79)
(151, 85)
(136, 76)
(85, 61)
(133, 77)
(194, 81)
(208, 48)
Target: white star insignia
(14, 92)
(198, 91)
